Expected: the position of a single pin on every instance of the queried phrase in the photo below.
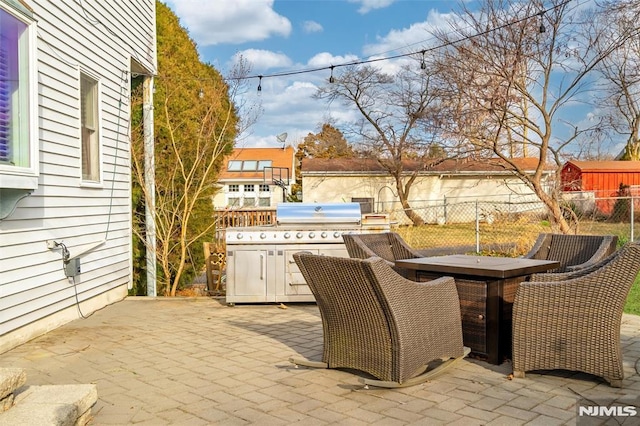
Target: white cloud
(312, 27)
(325, 59)
(412, 39)
(260, 60)
(369, 5)
(230, 21)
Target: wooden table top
(481, 266)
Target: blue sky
(288, 35)
(278, 36)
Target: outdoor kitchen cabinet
(250, 273)
(260, 265)
(262, 274)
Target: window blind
(5, 109)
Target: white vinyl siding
(101, 39)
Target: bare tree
(393, 127)
(195, 123)
(509, 75)
(620, 95)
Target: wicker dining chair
(574, 323)
(386, 245)
(572, 251)
(378, 322)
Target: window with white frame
(90, 140)
(264, 201)
(249, 188)
(234, 188)
(18, 86)
(264, 187)
(249, 202)
(233, 202)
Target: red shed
(603, 178)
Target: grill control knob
(239, 236)
(287, 235)
(299, 235)
(323, 235)
(336, 234)
(312, 234)
(263, 236)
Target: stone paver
(199, 362)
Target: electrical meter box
(72, 267)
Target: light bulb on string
(542, 29)
(423, 65)
(331, 79)
(259, 83)
(201, 93)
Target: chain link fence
(510, 225)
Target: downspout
(150, 185)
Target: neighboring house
(600, 180)
(255, 177)
(65, 176)
(366, 182)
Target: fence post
(477, 229)
(445, 209)
(632, 214)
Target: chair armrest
(423, 252)
(356, 248)
(607, 247)
(540, 241)
(428, 305)
(559, 276)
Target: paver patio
(196, 361)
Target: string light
(402, 55)
(542, 29)
(423, 64)
(201, 93)
(331, 79)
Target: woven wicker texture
(378, 322)
(574, 324)
(572, 251)
(387, 245)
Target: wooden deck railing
(228, 218)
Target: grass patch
(633, 300)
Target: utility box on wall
(72, 267)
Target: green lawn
(633, 301)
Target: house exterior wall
(232, 184)
(103, 40)
(603, 177)
(594, 184)
(429, 192)
(222, 197)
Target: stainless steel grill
(260, 265)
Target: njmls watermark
(623, 411)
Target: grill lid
(318, 213)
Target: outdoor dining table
(486, 289)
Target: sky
(291, 36)
(277, 36)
